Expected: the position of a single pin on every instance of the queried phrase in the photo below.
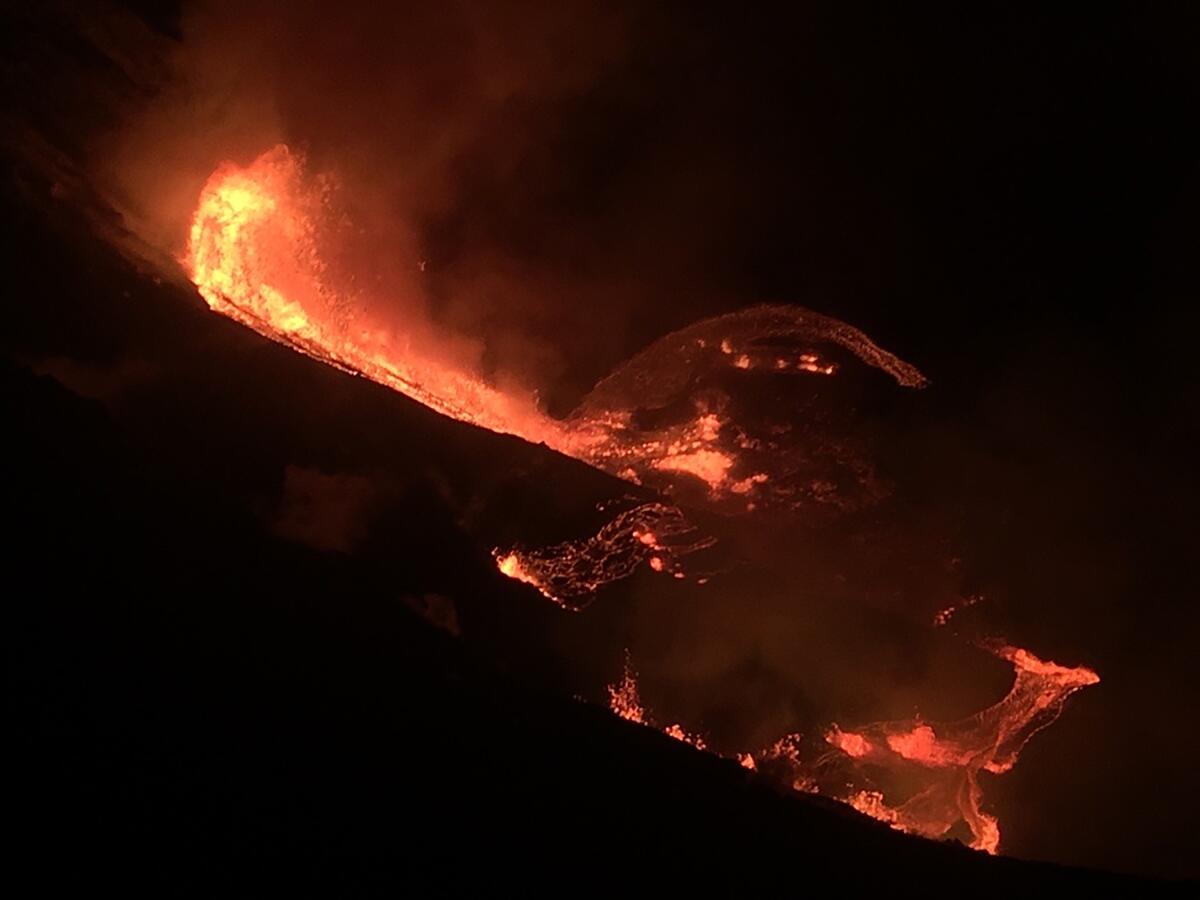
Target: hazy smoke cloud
(547, 187)
(555, 183)
(439, 126)
(559, 185)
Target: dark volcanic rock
(219, 680)
(199, 705)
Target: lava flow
(256, 252)
(942, 760)
(946, 759)
(569, 573)
(254, 255)
(625, 701)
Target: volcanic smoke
(257, 253)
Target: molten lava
(625, 701)
(569, 573)
(946, 759)
(256, 254)
(943, 759)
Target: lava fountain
(256, 254)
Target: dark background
(1002, 198)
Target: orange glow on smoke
(255, 253)
(623, 698)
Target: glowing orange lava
(944, 759)
(625, 701)
(255, 254)
(947, 758)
